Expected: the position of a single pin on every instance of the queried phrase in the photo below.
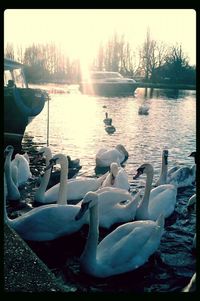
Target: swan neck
(62, 197)
(13, 191)
(145, 200)
(89, 254)
(163, 173)
(40, 193)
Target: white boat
(107, 83)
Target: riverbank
(166, 86)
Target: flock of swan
(67, 206)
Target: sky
(79, 32)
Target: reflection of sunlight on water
(77, 128)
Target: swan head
(193, 154)
(114, 169)
(165, 156)
(43, 152)
(122, 149)
(9, 150)
(144, 168)
(57, 159)
(90, 200)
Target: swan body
(105, 157)
(52, 178)
(124, 249)
(143, 110)
(22, 164)
(159, 200)
(48, 222)
(179, 176)
(12, 190)
(107, 120)
(76, 188)
(117, 177)
(115, 206)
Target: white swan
(52, 221)
(76, 188)
(159, 200)
(125, 249)
(105, 157)
(143, 110)
(115, 206)
(13, 191)
(183, 176)
(164, 168)
(117, 177)
(54, 176)
(22, 164)
(107, 121)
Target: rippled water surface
(76, 128)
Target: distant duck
(107, 121)
(105, 157)
(126, 248)
(115, 206)
(73, 169)
(156, 201)
(76, 188)
(51, 221)
(143, 110)
(110, 129)
(117, 177)
(22, 164)
(179, 176)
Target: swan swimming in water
(105, 157)
(183, 176)
(126, 248)
(156, 201)
(117, 177)
(76, 188)
(51, 221)
(54, 176)
(22, 164)
(13, 191)
(115, 206)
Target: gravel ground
(23, 270)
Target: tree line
(153, 61)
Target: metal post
(48, 122)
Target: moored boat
(21, 103)
(107, 83)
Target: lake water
(76, 128)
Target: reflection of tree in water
(161, 93)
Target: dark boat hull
(20, 108)
(108, 89)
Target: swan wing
(124, 243)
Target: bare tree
(9, 51)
